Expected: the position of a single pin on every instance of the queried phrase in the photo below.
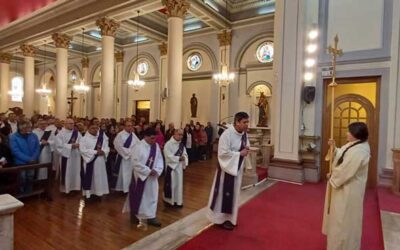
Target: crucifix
(71, 99)
(335, 52)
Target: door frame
(373, 132)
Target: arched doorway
(254, 93)
(353, 105)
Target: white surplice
(228, 158)
(343, 225)
(87, 146)
(125, 169)
(172, 161)
(46, 153)
(148, 204)
(73, 169)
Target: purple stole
(127, 144)
(64, 160)
(228, 185)
(136, 187)
(45, 136)
(88, 173)
(168, 177)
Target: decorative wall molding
(107, 26)
(203, 47)
(267, 36)
(144, 55)
(257, 83)
(5, 58)
(28, 50)
(176, 8)
(61, 40)
(163, 47)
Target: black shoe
(166, 204)
(228, 225)
(178, 206)
(154, 222)
(134, 219)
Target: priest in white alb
(233, 146)
(46, 141)
(124, 143)
(94, 151)
(343, 214)
(148, 165)
(67, 145)
(176, 160)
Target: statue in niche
(262, 110)
(193, 105)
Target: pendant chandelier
(224, 77)
(43, 91)
(136, 83)
(19, 91)
(81, 88)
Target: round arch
(143, 55)
(248, 43)
(205, 49)
(255, 84)
(93, 71)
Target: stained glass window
(142, 68)
(265, 52)
(194, 61)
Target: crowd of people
(99, 155)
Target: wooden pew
(45, 186)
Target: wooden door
(352, 107)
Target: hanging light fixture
(136, 83)
(82, 88)
(224, 78)
(43, 90)
(16, 93)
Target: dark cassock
(123, 144)
(224, 197)
(70, 159)
(94, 151)
(176, 160)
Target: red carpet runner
(286, 216)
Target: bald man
(67, 145)
(176, 160)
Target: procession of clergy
(80, 162)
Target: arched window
(194, 61)
(265, 52)
(17, 88)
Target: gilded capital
(163, 49)
(119, 56)
(108, 26)
(61, 40)
(225, 38)
(5, 58)
(85, 62)
(28, 50)
(176, 8)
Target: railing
(39, 186)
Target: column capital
(108, 26)
(61, 40)
(163, 48)
(176, 8)
(28, 50)
(225, 38)
(5, 58)
(85, 62)
(119, 56)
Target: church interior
(303, 71)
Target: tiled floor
(391, 230)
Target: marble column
(225, 41)
(289, 37)
(108, 28)
(163, 80)
(120, 89)
(176, 10)
(29, 79)
(8, 206)
(5, 60)
(62, 42)
(85, 77)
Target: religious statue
(193, 105)
(262, 111)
